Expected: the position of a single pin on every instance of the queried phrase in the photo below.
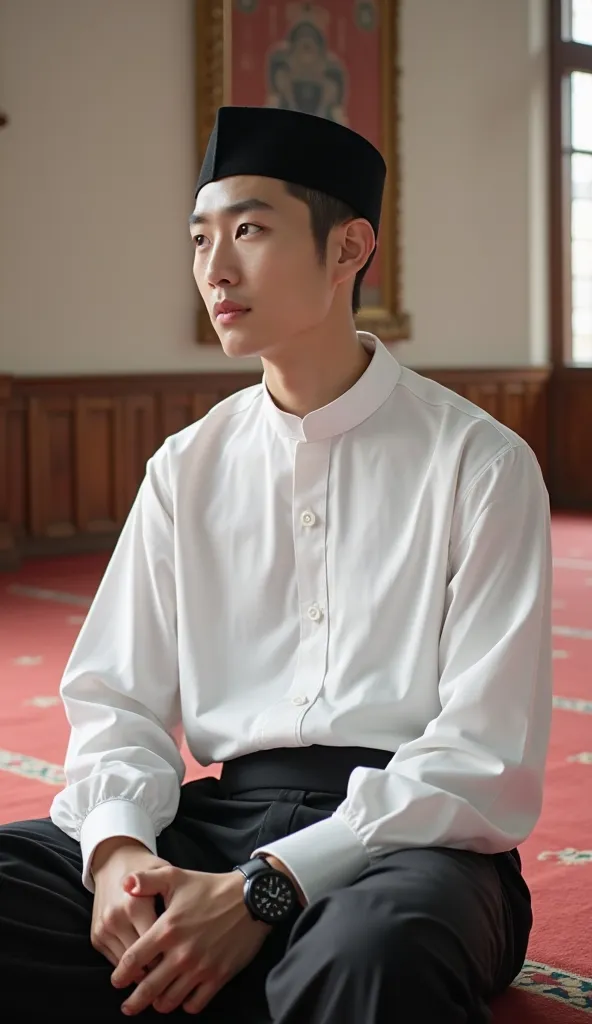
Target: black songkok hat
(300, 148)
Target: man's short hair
(326, 212)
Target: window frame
(565, 57)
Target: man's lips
(227, 312)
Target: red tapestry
(323, 59)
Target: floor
(43, 605)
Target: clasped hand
(204, 937)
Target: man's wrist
(108, 848)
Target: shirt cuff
(107, 820)
(324, 856)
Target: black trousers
(428, 934)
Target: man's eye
(247, 229)
(198, 240)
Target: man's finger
(127, 935)
(181, 989)
(153, 882)
(202, 995)
(140, 955)
(143, 915)
(153, 985)
(124, 940)
(112, 950)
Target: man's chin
(239, 344)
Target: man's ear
(357, 242)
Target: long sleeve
(120, 688)
(473, 779)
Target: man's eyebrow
(243, 206)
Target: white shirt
(376, 574)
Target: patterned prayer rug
(43, 605)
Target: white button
(299, 700)
(308, 518)
(315, 613)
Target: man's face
(256, 265)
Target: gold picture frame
(213, 27)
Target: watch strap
(254, 866)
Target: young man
(338, 583)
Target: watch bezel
(253, 874)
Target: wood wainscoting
(73, 450)
(570, 437)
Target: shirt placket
(309, 525)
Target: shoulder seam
(435, 405)
(494, 458)
(488, 465)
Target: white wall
(98, 167)
(98, 170)
(474, 181)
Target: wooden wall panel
(73, 451)
(51, 467)
(101, 488)
(179, 409)
(202, 403)
(485, 395)
(140, 440)
(8, 550)
(17, 461)
(571, 438)
(177, 412)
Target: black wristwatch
(270, 896)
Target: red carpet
(42, 606)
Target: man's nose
(222, 268)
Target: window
(571, 180)
(579, 21)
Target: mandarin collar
(357, 404)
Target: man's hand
(119, 919)
(205, 936)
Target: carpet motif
(42, 608)
(540, 979)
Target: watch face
(271, 896)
